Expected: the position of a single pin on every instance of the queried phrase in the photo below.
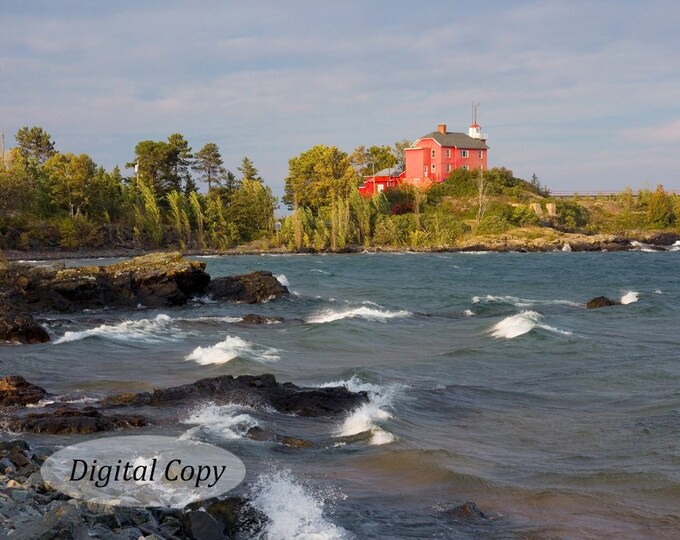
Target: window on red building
(463, 153)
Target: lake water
(489, 381)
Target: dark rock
(18, 326)
(252, 318)
(600, 301)
(663, 239)
(68, 420)
(13, 446)
(256, 433)
(250, 288)
(254, 391)
(155, 280)
(466, 512)
(15, 390)
(201, 525)
(234, 514)
(63, 521)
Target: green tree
(18, 188)
(660, 209)
(155, 166)
(248, 170)
(252, 210)
(67, 179)
(181, 160)
(317, 176)
(35, 144)
(209, 164)
(398, 151)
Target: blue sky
(586, 94)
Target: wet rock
(200, 525)
(18, 326)
(234, 514)
(663, 239)
(599, 302)
(256, 433)
(15, 390)
(66, 420)
(253, 391)
(250, 288)
(466, 512)
(252, 318)
(63, 521)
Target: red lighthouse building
(433, 157)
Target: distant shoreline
(661, 241)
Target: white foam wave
(148, 330)
(520, 324)
(294, 512)
(320, 271)
(230, 348)
(519, 302)
(630, 297)
(566, 247)
(364, 312)
(60, 399)
(368, 416)
(226, 421)
(283, 280)
(469, 313)
(639, 246)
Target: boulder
(15, 390)
(466, 512)
(255, 391)
(234, 514)
(66, 420)
(600, 301)
(252, 288)
(63, 521)
(18, 326)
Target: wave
(522, 323)
(147, 330)
(283, 280)
(364, 312)
(630, 297)
(225, 421)
(294, 512)
(639, 246)
(230, 348)
(520, 302)
(367, 417)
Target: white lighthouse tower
(475, 130)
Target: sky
(584, 94)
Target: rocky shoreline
(31, 509)
(153, 280)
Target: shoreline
(568, 242)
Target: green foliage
(523, 216)
(79, 232)
(317, 176)
(572, 215)
(443, 228)
(148, 218)
(209, 164)
(368, 161)
(660, 211)
(386, 232)
(493, 224)
(35, 144)
(252, 210)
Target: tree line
(49, 199)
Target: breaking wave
(520, 302)
(230, 348)
(521, 323)
(363, 312)
(630, 297)
(147, 330)
(294, 512)
(367, 417)
(226, 421)
(283, 280)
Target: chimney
(441, 128)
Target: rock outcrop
(18, 326)
(253, 391)
(259, 286)
(600, 301)
(67, 420)
(15, 390)
(154, 280)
